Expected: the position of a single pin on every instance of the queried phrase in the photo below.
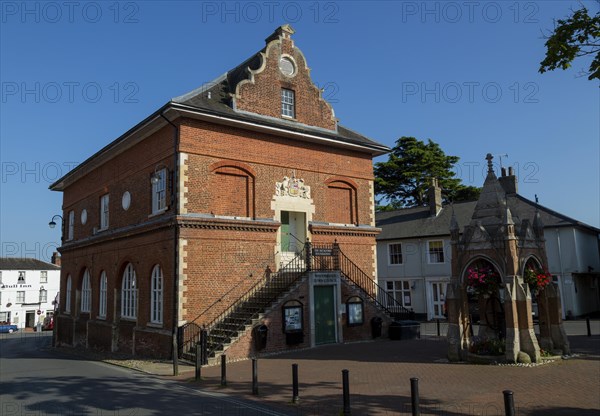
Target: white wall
(10, 286)
(415, 267)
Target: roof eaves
(571, 221)
(59, 184)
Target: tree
(404, 179)
(576, 36)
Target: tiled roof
(18, 263)
(219, 103)
(416, 222)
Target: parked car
(7, 328)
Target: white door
(437, 300)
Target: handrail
(265, 291)
(256, 299)
(382, 298)
(301, 243)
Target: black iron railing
(248, 307)
(369, 287)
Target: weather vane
(501, 156)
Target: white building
(414, 253)
(28, 289)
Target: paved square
(380, 373)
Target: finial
(489, 158)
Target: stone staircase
(248, 310)
(241, 320)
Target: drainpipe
(560, 267)
(175, 199)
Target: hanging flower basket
(536, 279)
(483, 279)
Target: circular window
(84, 216)
(287, 67)
(126, 200)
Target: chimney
(434, 196)
(509, 182)
(56, 259)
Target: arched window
(68, 295)
(86, 292)
(156, 302)
(129, 294)
(102, 299)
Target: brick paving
(380, 373)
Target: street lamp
(52, 224)
(155, 177)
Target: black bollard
(346, 392)
(509, 404)
(414, 396)
(223, 370)
(589, 328)
(254, 377)
(437, 322)
(198, 361)
(295, 397)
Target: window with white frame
(400, 291)
(104, 211)
(102, 299)
(86, 292)
(68, 295)
(43, 276)
(43, 295)
(156, 302)
(436, 251)
(21, 296)
(129, 293)
(21, 278)
(395, 253)
(159, 191)
(288, 105)
(71, 225)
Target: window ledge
(128, 319)
(158, 212)
(154, 325)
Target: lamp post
(52, 224)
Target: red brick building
(200, 214)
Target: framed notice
(292, 318)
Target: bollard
(509, 404)
(223, 370)
(346, 392)
(198, 361)
(295, 397)
(254, 377)
(437, 322)
(589, 328)
(414, 396)
(203, 342)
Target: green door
(285, 231)
(324, 315)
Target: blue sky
(76, 75)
